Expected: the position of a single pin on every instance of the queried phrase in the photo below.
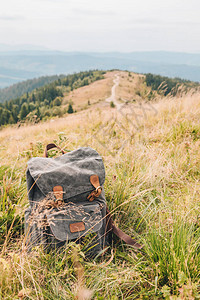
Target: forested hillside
(165, 85)
(46, 101)
(19, 89)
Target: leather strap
(50, 146)
(58, 193)
(94, 179)
(119, 233)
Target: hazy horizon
(31, 47)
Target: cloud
(92, 12)
(159, 22)
(11, 18)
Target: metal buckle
(99, 187)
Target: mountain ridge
(85, 89)
(36, 63)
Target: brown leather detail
(110, 226)
(126, 238)
(50, 146)
(94, 179)
(58, 192)
(76, 227)
(94, 194)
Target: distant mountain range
(19, 65)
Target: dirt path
(112, 98)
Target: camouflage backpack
(67, 202)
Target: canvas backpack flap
(72, 171)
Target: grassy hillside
(45, 102)
(78, 91)
(152, 160)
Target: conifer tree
(70, 109)
(23, 112)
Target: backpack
(67, 202)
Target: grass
(152, 186)
(133, 88)
(94, 93)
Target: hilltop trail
(112, 98)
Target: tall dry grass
(152, 160)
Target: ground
(151, 155)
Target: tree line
(45, 102)
(165, 85)
(19, 89)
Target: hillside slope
(79, 91)
(19, 89)
(152, 160)
(45, 102)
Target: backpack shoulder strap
(110, 226)
(50, 146)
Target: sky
(102, 26)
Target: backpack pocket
(75, 221)
(70, 222)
